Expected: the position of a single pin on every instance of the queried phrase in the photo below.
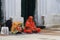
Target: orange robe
(30, 27)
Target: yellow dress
(14, 26)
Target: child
(19, 29)
(16, 28)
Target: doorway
(1, 14)
(27, 8)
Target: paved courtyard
(44, 35)
(30, 37)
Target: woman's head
(30, 18)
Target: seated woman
(16, 28)
(30, 26)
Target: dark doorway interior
(1, 17)
(27, 8)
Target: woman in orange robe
(30, 26)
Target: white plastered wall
(13, 9)
(44, 8)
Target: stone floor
(43, 35)
(30, 37)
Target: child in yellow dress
(16, 28)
